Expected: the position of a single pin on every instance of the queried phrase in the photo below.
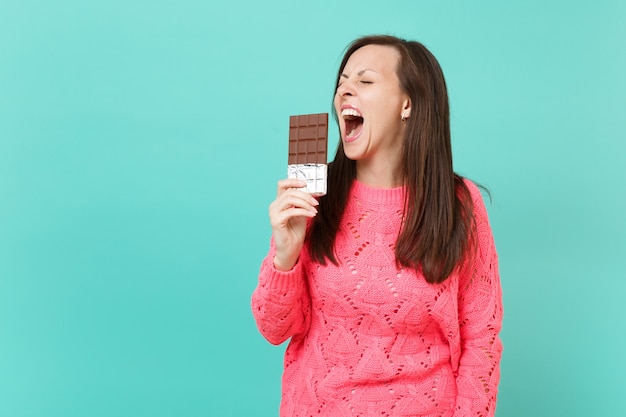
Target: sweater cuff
(282, 281)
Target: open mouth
(354, 123)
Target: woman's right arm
(280, 302)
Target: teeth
(350, 112)
(352, 133)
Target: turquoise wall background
(141, 142)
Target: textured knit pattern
(371, 339)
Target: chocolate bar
(308, 141)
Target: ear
(406, 108)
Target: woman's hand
(288, 217)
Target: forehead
(380, 58)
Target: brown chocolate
(308, 138)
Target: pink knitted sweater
(369, 339)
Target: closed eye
(366, 82)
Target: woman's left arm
(480, 321)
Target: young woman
(388, 286)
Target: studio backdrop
(140, 146)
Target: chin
(352, 154)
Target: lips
(353, 121)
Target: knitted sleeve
(480, 321)
(280, 302)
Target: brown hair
(437, 222)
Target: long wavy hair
(438, 211)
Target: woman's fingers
(293, 198)
(280, 215)
(288, 183)
(282, 218)
(288, 214)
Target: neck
(379, 176)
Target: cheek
(338, 111)
(336, 103)
(389, 112)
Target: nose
(345, 89)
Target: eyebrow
(344, 75)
